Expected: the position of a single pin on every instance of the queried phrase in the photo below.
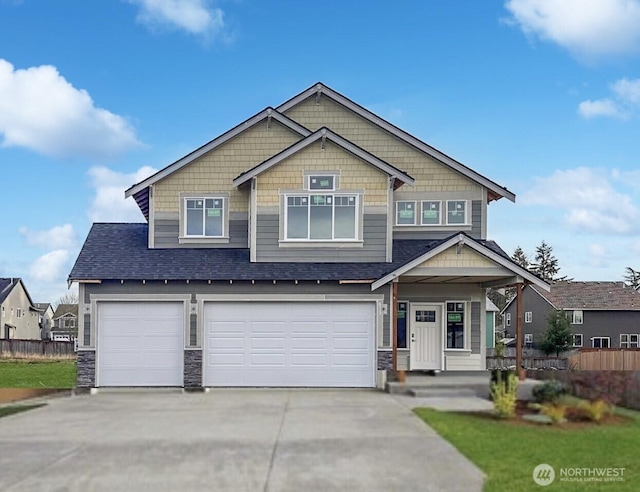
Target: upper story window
(629, 340)
(321, 217)
(577, 340)
(431, 213)
(18, 313)
(406, 213)
(528, 317)
(324, 182)
(507, 319)
(457, 212)
(576, 318)
(204, 217)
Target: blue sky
(542, 96)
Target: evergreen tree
(546, 265)
(558, 337)
(520, 257)
(632, 278)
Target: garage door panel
(290, 344)
(140, 343)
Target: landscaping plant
(595, 410)
(504, 395)
(550, 391)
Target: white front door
(425, 324)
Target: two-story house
(601, 314)
(19, 318)
(45, 317)
(65, 322)
(314, 244)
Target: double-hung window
(528, 317)
(204, 217)
(629, 340)
(600, 342)
(324, 216)
(431, 214)
(456, 212)
(406, 213)
(455, 325)
(577, 340)
(576, 317)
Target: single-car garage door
(321, 344)
(140, 343)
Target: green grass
(508, 452)
(19, 373)
(4, 411)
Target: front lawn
(508, 452)
(24, 373)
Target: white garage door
(289, 344)
(140, 343)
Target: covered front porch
(438, 319)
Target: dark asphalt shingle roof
(6, 286)
(592, 295)
(120, 252)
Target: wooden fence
(36, 348)
(612, 359)
(529, 362)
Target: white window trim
(183, 238)
(296, 242)
(507, 319)
(573, 340)
(630, 343)
(528, 317)
(415, 213)
(573, 317)
(440, 221)
(466, 341)
(332, 174)
(466, 214)
(528, 338)
(601, 338)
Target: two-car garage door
(304, 344)
(323, 344)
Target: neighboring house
(45, 319)
(491, 310)
(18, 315)
(602, 314)
(314, 244)
(65, 322)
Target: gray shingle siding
(166, 232)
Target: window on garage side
(204, 217)
(321, 217)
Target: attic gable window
(325, 182)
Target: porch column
(394, 326)
(519, 318)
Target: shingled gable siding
(373, 248)
(442, 233)
(430, 175)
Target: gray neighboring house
(45, 310)
(602, 314)
(314, 244)
(65, 322)
(19, 317)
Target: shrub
(504, 395)
(555, 411)
(550, 391)
(595, 410)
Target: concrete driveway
(228, 440)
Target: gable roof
(601, 296)
(8, 284)
(462, 239)
(495, 190)
(115, 251)
(140, 191)
(65, 309)
(323, 134)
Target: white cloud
(194, 16)
(627, 95)
(50, 267)
(109, 204)
(43, 112)
(58, 237)
(588, 199)
(600, 107)
(587, 28)
(598, 256)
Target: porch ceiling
(483, 280)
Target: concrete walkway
(229, 440)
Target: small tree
(558, 337)
(632, 278)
